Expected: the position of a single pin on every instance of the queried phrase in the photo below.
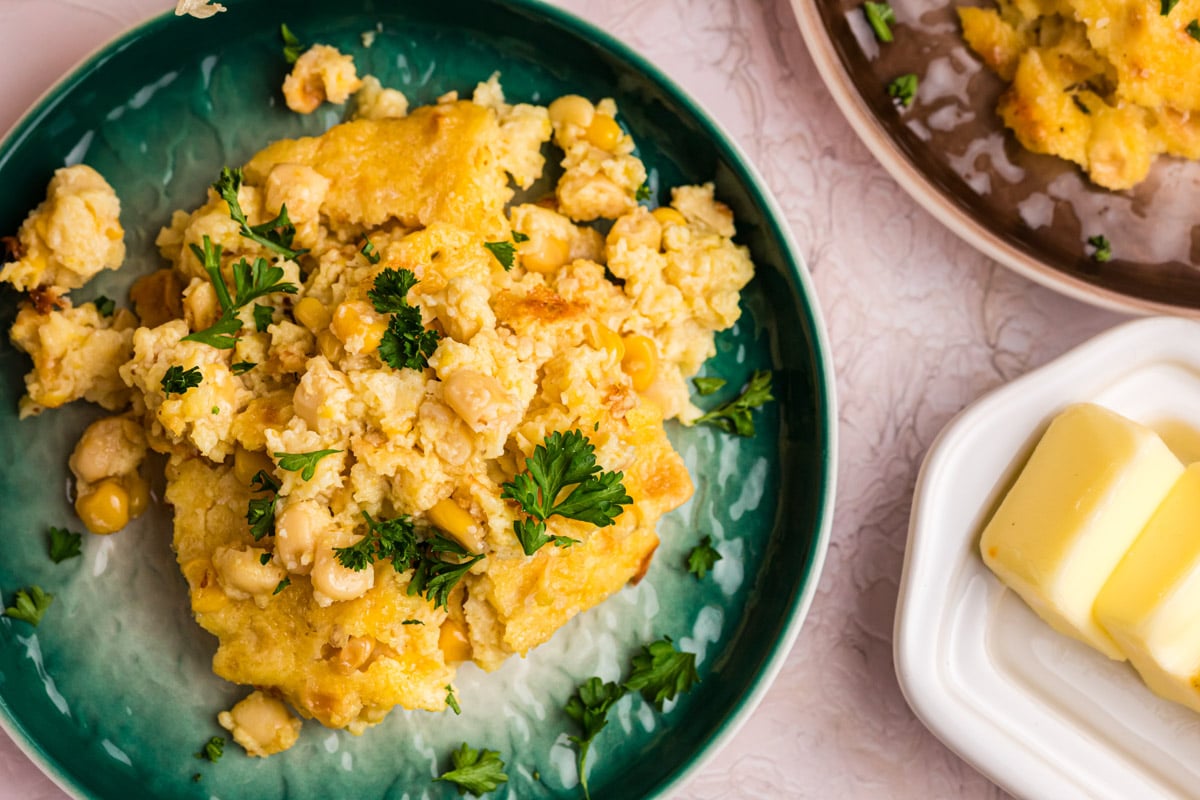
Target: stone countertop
(920, 326)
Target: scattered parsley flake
(64, 544)
(504, 252)
(660, 672)
(29, 605)
(216, 409)
(475, 771)
(305, 463)
(589, 707)
(261, 511)
(1102, 248)
(1193, 29)
(386, 538)
(264, 559)
(104, 306)
(734, 416)
(881, 17)
(291, 45)
(177, 380)
(643, 193)
(519, 237)
(276, 234)
(369, 252)
(412, 622)
(702, 558)
(904, 89)
(707, 386)
(213, 749)
(263, 317)
(564, 459)
(451, 700)
(283, 584)
(1168, 6)
(242, 367)
(389, 292)
(434, 577)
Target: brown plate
(950, 151)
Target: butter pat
(1151, 604)
(1091, 485)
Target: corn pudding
(410, 418)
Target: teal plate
(112, 694)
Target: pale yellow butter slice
(1151, 604)
(1091, 485)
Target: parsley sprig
(661, 671)
(505, 252)
(291, 45)
(703, 558)
(406, 343)
(213, 749)
(29, 605)
(565, 459)
(734, 416)
(451, 700)
(250, 282)
(105, 306)
(389, 538)
(434, 576)
(261, 511)
(276, 234)
(304, 463)
(64, 544)
(904, 89)
(1101, 248)
(177, 380)
(589, 707)
(475, 771)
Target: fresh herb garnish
(369, 252)
(305, 463)
(1193, 29)
(565, 459)
(707, 386)
(386, 538)
(412, 622)
(263, 317)
(291, 45)
(264, 559)
(213, 749)
(283, 584)
(276, 234)
(242, 367)
(451, 700)
(434, 578)
(475, 771)
(261, 511)
(734, 416)
(903, 89)
(881, 17)
(177, 380)
(1102, 248)
(104, 306)
(519, 237)
(660, 672)
(1168, 6)
(29, 605)
(250, 282)
(406, 343)
(643, 192)
(64, 544)
(589, 707)
(504, 252)
(702, 558)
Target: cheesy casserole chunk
(543, 325)
(1107, 84)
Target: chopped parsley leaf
(242, 367)
(369, 252)
(504, 252)
(475, 771)
(1193, 29)
(213, 749)
(660, 672)
(904, 89)
(1168, 6)
(386, 538)
(564, 459)
(29, 605)
(881, 17)
(291, 45)
(702, 558)
(643, 193)
(434, 577)
(263, 317)
(305, 463)
(1102, 248)
(519, 237)
(412, 622)
(261, 511)
(104, 306)
(707, 386)
(283, 584)
(451, 700)
(64, 544)
(264, 559)
(389, 292)
(177, 380)
(406, 343)
(734, 416)
(276, 234)
(589, 707)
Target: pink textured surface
(920, 324)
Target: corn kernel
(571, 109)
(453, 640)
(454, 520)
(207, 595)
(641, 361)
(329, 345)
(139, 494)
(668, 216)
(544, 253)
(105, 509)
(312, 314)
(358, 326)
(602, 337)
(604, 132)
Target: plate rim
(1015, 767)
(897, 164)
(824, 386)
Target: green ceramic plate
(112, 693)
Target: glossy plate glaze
(950, 151)
(112, 693)
(1039, 713)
